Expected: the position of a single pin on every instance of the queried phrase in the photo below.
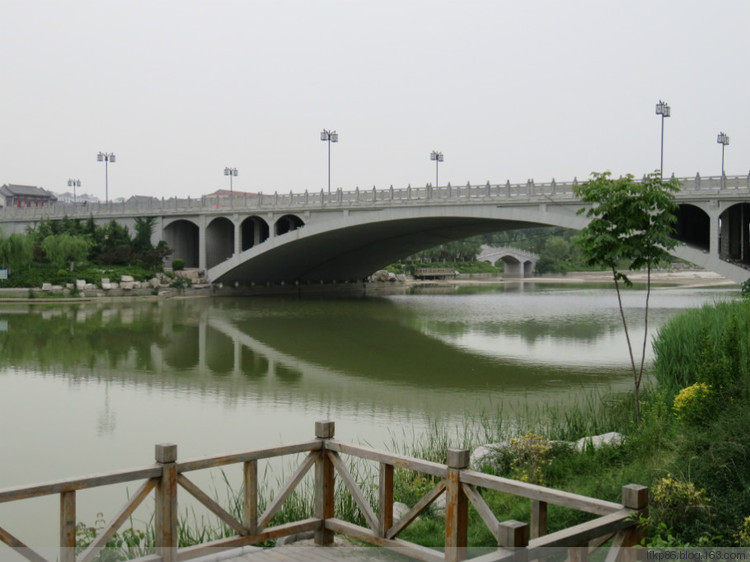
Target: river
(92, 386)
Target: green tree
(632, 223)
(65, 250)
(16, 251)
(144, 228)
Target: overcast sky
(180, 89)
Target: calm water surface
(90, 387)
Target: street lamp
(106, 157)
(664, 110)
(723, 140)
(329, 136)
(437, 157)
(74, 184)
(231, 172)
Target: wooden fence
(325, 455)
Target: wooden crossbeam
(287, 490)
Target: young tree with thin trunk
(631, 228)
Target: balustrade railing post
(324, 484)
(165, 516)
(68, 526)
(456, 506)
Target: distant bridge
(518, 263)
(344, 236)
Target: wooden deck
(308, 553)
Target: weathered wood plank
(540, 493)
(20, 547)
(418, 508)
(456, 517)
(581, 534)
(206, 500)
(399, 461)
(407, 548)
(483, 510)
(212, 462)
(80, 483)
(282, 495)
(351, 485)
(98, 543)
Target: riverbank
(691, 278)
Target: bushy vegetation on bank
(62, 251)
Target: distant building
(228, 193)
(141, 199)
(81, 198)
(12, 195)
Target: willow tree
(631, 228)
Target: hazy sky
(180, 89)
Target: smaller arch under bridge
(311, 238)
(518, 263)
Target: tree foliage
(64, 250)
(632, 223)
(16, 251)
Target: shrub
(693, 404)
(178, 264)
(530, 453)
(677, 503)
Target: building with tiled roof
(12, 195)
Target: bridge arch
(183, 237)
(734, 237)
(287, 223)
(253, 230)
(693, 226)
(219, 240)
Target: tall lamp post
(106, 157)
(663, 109)
(437, 157)
(231, 172)
(723, 140)
(74, 184)
(329, 136)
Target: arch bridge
(312, 238)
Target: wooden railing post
(68, 526)
(165, 516)
(456, 506)
(538, 518)
(324, 484)
(635, 498)
(386, 498)
(250, 507)
(515, 535)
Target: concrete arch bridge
(518, 263)
(313, 238)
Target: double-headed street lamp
(106, 157)
(723, 140)
(663, 109)
(437, 157)
(329, 136)
(231, 172)
(74, 184)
